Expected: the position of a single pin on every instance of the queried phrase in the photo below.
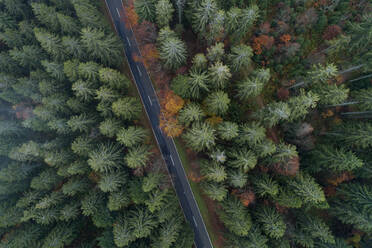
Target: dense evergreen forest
(274, 98)
(78, 167)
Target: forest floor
(206, 206)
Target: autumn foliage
(261, 42)
(171, 104)
(131, 14)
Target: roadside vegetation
(77, 166)
(274, 100)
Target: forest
(271, 101)
(78, 166)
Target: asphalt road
(166, 144)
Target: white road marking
(150, 100)
(172, 159)
(118, 12)
(139, 71)
(194, 221)
(128, 40)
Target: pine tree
(273, 113)
(76, 185)
(47, 15)
(240, 57)
(265, 148)
(118, 200)
(146, 9)
(132, 136)
(112, 181)
(173, 53)
(251, 134)
(353, 134)
(353, 206)
(156, 200)
(106, 95)
(26, 55)
(192, 112)
(88, 14)
(152, 181)
(300, 105)
(316, 229)
(110, 127)
(89, 71)
(70, 211)
(216, 191)
(101, 46)
(304, 186)
(54, 69)
(247, 17)
(105, 158)
(337, 160)
(61, 235)
(70, 67)
(142, 222)
(166, 33)
(254, 239)
(82, 145)
(237, 178)
(216, 52)
(68, 24)
(138, 156)
(217, 103)
(243, 159)
(197, 84)
(84, 90)
(123, 233)
(271, 221)
(46, 180)
(203, 15)
(50, 43)
(228, 130)
(164, 12)
(127, 108)
(199, 63)
(265, 185)
(235, 216)
(82, 122)
(252, 87)
(213, 171)
(220, 75)
(113, 78)
(50, 200)
(200, 136)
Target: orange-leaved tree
(171, 104)
(130, 13)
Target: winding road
(167, 146)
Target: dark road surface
(166, 145)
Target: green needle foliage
(105, 158)
(266, 186)
(191, 113)
(215, 191)
(252, 87)
(173, 53)
(337, 160)
(271, 221)
(164, 12)
(146, 9)
(138, 157)
(213, 171)
(235, 216)
(132, 136)
(243, 159)
(240, 57)
(228, 130)
(217, 103)
(237, 178)
(219, 75)
(200, 136)
(127, 108)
